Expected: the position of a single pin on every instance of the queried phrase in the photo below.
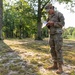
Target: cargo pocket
(58, 41)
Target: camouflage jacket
(58, 20)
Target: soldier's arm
(61, 23)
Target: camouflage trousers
(55, 43)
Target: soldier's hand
(51, 23)
(48, 25)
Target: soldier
(55, 24)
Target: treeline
(20, 20)
(69, 33)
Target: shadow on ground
(12, 64)
(35, 45)
(42, 46)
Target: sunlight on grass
(72, 72)
(36, 53)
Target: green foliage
(23, 19)
(69, 33)
(73, 73)
(65, 1)
(73, 33)
(19, 20)
(45, 32)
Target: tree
(19, 20)
(24, 18)
(70, 30)
(69, 33)
(1, 17)
(73, 33)
(40, 4)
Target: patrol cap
(48, 7)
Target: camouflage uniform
(56, 39)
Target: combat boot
(60, 70)
(53, 67)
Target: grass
(33, 54)
(5, 60)
(14, 67)
(72, 73)
(3, 71)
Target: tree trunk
(23, 32)
(39, 37)
(1, 17)
(20, 33)
(20, 29)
